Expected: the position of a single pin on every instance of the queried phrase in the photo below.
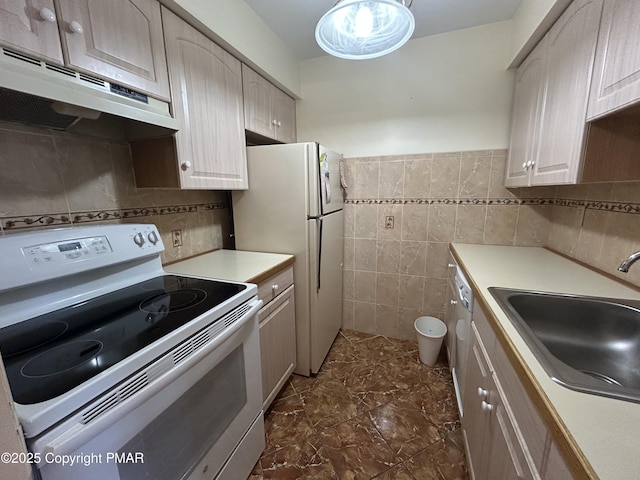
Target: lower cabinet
(504, 435)
(475, 423)
(495, 446)
(277, 333)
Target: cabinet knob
(524, 165)
(75, 27)
(451, 265)
(454, 302)
(486, 407)
(482, 393)
(186, 165)
(274, 123)
(47, 15)
(274, 288)
(279, 123)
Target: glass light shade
(362, 29)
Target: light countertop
(605, 431)
(234, 265)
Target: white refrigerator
(294, 205)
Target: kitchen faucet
(630, 260)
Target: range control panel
(147, 237)
(53, 254)
(67, 251)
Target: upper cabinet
(119, 40)
(616, 76)
(576, 109)
(31, 26)
(268, 111)
(525, 116)
(208, 151)
(569, 59)
(550, 103)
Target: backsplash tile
(31, 181)
(439, 198)
(391, 275)
(57, 179)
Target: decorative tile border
(90, 217)
(47, 220)
(17, 223)
(216, 206)
(452, 201)
(633, 208)
(630, 208)
(149, 211)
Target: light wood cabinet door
(475, 422)
(527, 102)
(284, 108)
(569, 60)
(504, 450)
(268, 111)
(119, 40)
(616, 76)
(493, 441)
(206, 86)
(548, 134)
(257, 103)
(277, 344)
(31, 26)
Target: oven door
(199, 419)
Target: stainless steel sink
(589, 344)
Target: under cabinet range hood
(36, 92)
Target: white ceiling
(294, 21)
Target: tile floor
(373, 411)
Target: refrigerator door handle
(319, 230)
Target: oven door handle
(71, 439)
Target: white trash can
(430, 331)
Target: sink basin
(589, 344)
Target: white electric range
(109, 359)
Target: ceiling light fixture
(363, 29)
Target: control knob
(152, 237)
(138, 238)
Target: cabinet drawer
(275, 285)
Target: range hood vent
(36, 92)
(24, 108)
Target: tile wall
(401, 213)
(392, 275)
(598, 224)
(53, 179)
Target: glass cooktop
(49, 355)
